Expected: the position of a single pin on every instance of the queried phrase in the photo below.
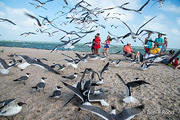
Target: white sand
(161, 98)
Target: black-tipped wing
(21, 78)
(140, 9)
(127, 26)
(98, 111)
(127, 113)
(75, 42)
(3, 63)
(144, 25)
(8, 21)
(57, 46)
(33, 17)
(65, 1)
(6, 102)
(78, 55)
(104, 69)
(136, 83)
(75, 90)
(121, 78)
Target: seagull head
(27, 74)
(21, 103)
(58, 87)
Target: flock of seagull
(84, 15)
(86, 18)
(85, 89)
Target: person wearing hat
(159, 41)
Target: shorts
(106, 46)
(147, 49)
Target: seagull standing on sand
(40, 85)
(126, 114)
(57, 93)
(71, 77)
(10, 107)
(23, 78)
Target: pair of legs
(96, 51)
(105, 51)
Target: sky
(167, 20)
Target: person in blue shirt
(148, 44)
(159, 41)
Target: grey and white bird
(57, 93)
(22, 78)
(6, 20)
(115, 62)
(100, 75)
(59, 67)
(129, 98)
(6, 67)
(10, 108)
(71, 77)
(40, 85)
(138, 11)
(27, 34)
(93, 57)
(29, 61)
(126, 114)
(72, 62)
(138, 32)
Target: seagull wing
(6, 102)
(21, 78)
(130, 112)
(75, 90)
(58, 46)
(65, 1)
(33, 17)
(98, 111)
(127, 26)
(144, 25)
(104, 69)
(140, 9)
(3, 63)
(8, 21)
(121, 78)
(75, 42)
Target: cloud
(171, 8)
(176, 32)
(17, 16)
(178, 20)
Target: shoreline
(161, 98)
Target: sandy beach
(161, 98)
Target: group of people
(97, 45)
(160, 45)
(152, 48)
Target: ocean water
(78, 47)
